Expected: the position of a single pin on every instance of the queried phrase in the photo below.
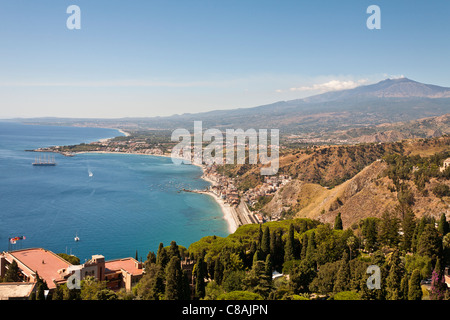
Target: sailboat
(76, 238)
(46, 162)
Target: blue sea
(129, 203)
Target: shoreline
(226, 209)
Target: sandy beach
(226, 209)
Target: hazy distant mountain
(388, 101)
(390, 88)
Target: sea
(118, 205)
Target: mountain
(325, 115)
(389, 88)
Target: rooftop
(15, 290)
(44, 262)
(130, 265)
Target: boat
(76, 238)
(46, 162)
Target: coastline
(225, 208)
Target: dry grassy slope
(366, 194)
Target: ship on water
(47, 161)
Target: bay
(117, 204)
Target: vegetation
(318, 261)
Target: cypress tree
(443, 226)
(389, 228)
(174, 280)
(430, 243)
(158, 287)
(343, 275)
(260, 235)
(276, 248)
(289, 251)
(265, 245)
(174, 250)
(304, 246)
(200, 279)
(186, 288)
(269, 266)
(369, 232)
(404, 287)
(311, 249)
(394, 278)
(161, 256)
(218, 271)
(415, 290)
(338, 222)
(408, 227)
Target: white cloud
(332, 85)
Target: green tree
(174, 251)
(218, 271)
(370, 233)
(265, 245)
(311, 249)
(415, 290)
(343, 275)
(446, 249)
(269, 267)
(257, 280)
(389, 227)
(276, 248)
(438, 285)
(323, 282)
(240, 295)
(443, 226)
(338, 222)
(304, 246)
(174, 280)
(289, 251)
(408, 227)
(200, 279)
(151, 286)
(301, 275)
(430, 243)
(162, 258)
(393, 281)
(404, 287)
(12, 274)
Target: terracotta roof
(130, 265)
(44, 262)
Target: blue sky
(148, 58)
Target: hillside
(359, 181)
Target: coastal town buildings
(54, 270)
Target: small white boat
(76, 238)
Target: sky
(145, 58)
